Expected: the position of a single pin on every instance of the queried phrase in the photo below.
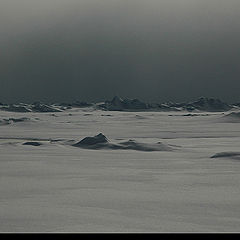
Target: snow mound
(140, 117)
(101, 142)
(134, 145)
(14, 120)
(226, 154)
(4, 122)
(235, 115)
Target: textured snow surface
(49, 185)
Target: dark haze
(154, 50)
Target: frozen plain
(56, 187)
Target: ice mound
(226, 154)
(36, 144)
(81, 104)
(101, 142)
(90, 141)
(40, 107)
(77, 104)
(208, 104)
(119, 104)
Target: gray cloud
(60, 50)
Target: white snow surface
(56, 187)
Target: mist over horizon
(89, 50)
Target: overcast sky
(154, 50)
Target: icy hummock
(91, 141)
(101, 142)
(40, 107)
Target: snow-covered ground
(61, 188)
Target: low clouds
(154, 50)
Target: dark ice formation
(36, 144)
(236, 104)
(76, 104)
(201, 104)
(40, 107)
(15, 108)
(90, 141)
(208, 104)
(119, 104)
(35, 107)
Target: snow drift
(14, 120)
(226, 154)
(232, 117)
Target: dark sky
(155, 50)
